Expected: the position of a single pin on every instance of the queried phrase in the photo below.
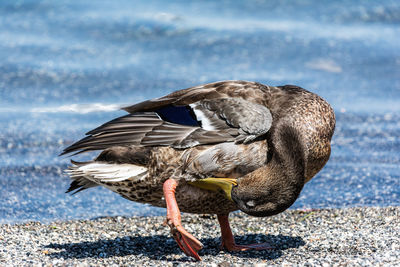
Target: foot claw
(187, 242)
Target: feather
(98, 173)
(208, 114)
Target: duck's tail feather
(90, 174)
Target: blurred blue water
(63, 65)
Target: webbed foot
(228, 241)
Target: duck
(211, 149)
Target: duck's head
(267, 196)
(261, 193)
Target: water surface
(66, 67)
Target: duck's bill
(216, 184)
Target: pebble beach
(326, 237)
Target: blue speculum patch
(180, 115)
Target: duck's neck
(273, 188)
(289, 154)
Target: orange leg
(228, 240)
(188, 243)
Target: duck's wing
(207, 114)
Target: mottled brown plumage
(272, 140)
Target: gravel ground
(354, 236)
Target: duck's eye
(251, 203)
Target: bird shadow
(160, 247)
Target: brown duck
(213, 148)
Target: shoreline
(355, 236)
